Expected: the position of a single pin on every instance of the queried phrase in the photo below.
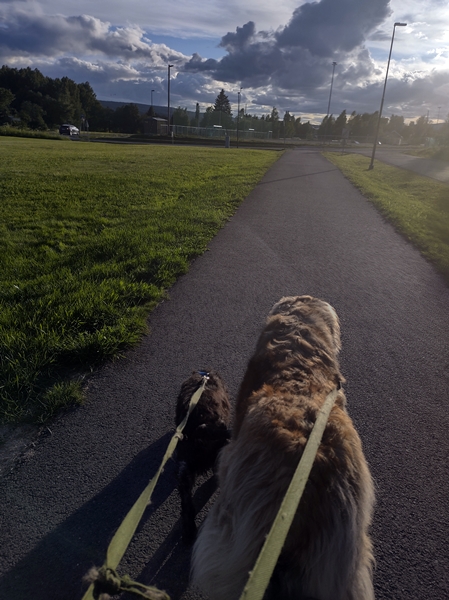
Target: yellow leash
(106, 579)
(260, 576)
(124, 534)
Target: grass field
(91, 237)
(417, 206)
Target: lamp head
(400, 24)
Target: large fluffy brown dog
(327, 554)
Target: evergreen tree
(289, 125)
(222, 103)
(340, 124)
(273, 119)
(326, 127)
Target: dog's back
(327, 554)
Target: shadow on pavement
(297, 176)
(54, 569)
(169, 568)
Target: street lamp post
(168, 102)
(334, 64)
(371, 166)
(238, 114)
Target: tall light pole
(152, 97)
(168, 102)
(334, 64)
(238, 114)
(371, 166)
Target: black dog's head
(206, 431)
(212, 406)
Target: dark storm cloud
(317, 34)
(240, 39)
(38, 34)
(330, 26)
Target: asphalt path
(396, 156)
(303, 229)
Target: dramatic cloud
(280, 55)
(30, 34)
(298, 56)
(330, 26)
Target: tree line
(220, 114)
(30, 99)
(362, 127)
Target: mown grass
(417, 206)
(91, 237)
(28, 133)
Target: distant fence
(216, 132)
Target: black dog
(204, 435)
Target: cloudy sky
(279, 53)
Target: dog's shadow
(55, 567)
(169, 567)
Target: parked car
(68, 129)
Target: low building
(155, 126)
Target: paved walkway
(303, 229)
(429, 167)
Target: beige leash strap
(127, 529)
(260, 576)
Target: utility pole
(238, 115)
(168, 102)
(371, 166)
(334, 64)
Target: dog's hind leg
(186, 480)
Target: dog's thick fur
(205, 434)
(327, 554)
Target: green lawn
(417, 206)
(91, 237)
